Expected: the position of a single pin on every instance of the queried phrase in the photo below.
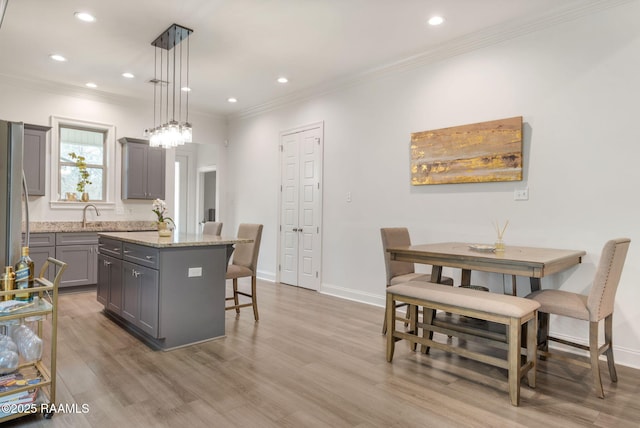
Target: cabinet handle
(116, 249)
(126, 251)
(149, 257)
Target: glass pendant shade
(169, 129)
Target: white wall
(36, 103)
(575, 84)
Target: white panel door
(301, 208)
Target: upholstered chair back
(212, 228)
(605, 284)
(246, 255)
(395, 237)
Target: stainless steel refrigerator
(13, 192)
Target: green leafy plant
(81, 164)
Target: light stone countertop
(151, 239)
(92, 226)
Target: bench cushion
(494, 303)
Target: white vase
(163, 229)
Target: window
(82, 143)
(94, 141)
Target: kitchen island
(169, 292)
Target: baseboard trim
(354, 295)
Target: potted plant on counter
(81, 164)
(160, 209)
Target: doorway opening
(208, 196)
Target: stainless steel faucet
(84, 213)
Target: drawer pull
(126, 251)
(149, 257)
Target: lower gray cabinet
(79, 250)
(81, 263)
(41, 247)
(110, 283)
(140, 295)
(39, 255)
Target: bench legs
(516, 369)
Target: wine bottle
(24, 275)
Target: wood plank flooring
(311, 361)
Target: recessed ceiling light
(185, 89)
(282, 80)
(436, 20)
(57, 57)
(232, 100)
(91, 85)
(128, 75)
(84, 16)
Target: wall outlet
(521, 194)
(196, 271)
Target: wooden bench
(510, 311)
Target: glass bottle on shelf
(24, 271)
(7, 281)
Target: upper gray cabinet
(34, 158)
(143, 170)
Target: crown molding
(56, 88)
(567, 12)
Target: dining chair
(212, 228)
(244, 264)
(596, 306)
(399, 272)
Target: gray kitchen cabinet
(34, 158)
(110, 283)
(104, 279)
(42, 246)
(143, 170)
(140, 297)
(140, 285)
(129, 283)
(110, 274)
(80, 251)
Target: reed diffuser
(500, 231)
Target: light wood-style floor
(311, 361)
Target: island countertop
(151, 239)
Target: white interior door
(301, 208)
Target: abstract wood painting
(480, 152)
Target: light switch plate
(521, 194)
(195, 271)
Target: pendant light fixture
(170, 80)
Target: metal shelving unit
(47, 304)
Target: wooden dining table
(531, 262)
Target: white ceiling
(240, 47)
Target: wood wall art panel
(479, 152)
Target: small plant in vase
(160, 209)
(81, 164)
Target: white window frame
(109, 170)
